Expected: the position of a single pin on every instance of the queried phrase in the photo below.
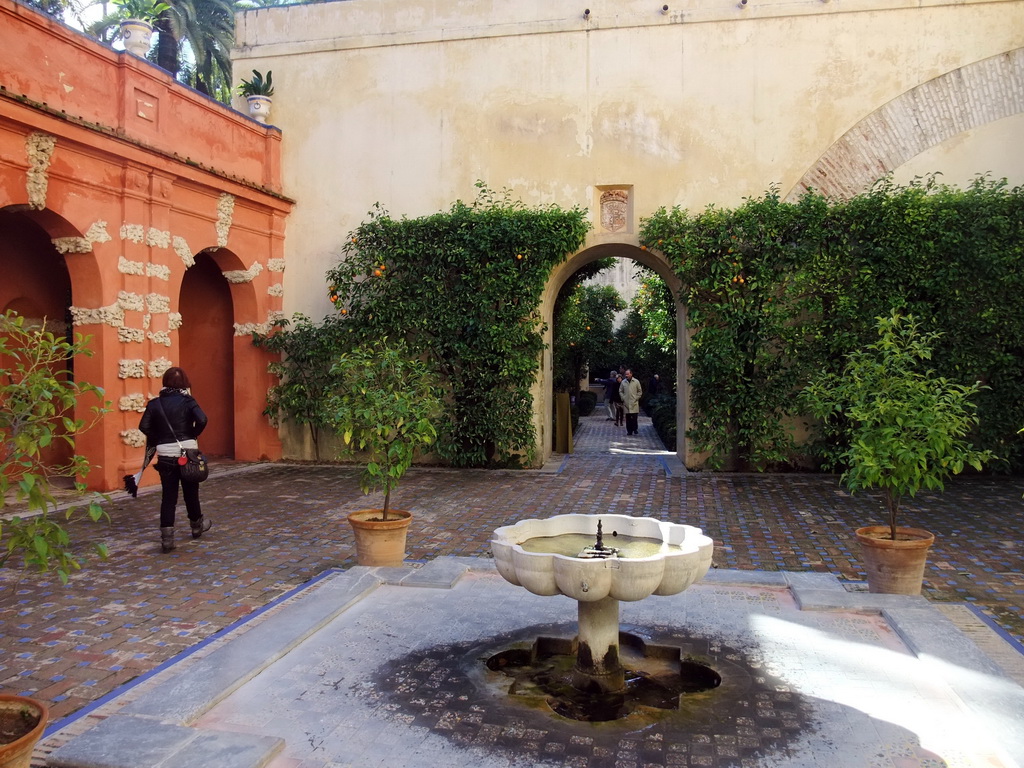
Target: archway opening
(627, 258)
(37, 286)
(206, 337)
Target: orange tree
(778, 292)
(583, 331)
(647, 336)
(463, 288)
(742, 288)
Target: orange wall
(108, 164)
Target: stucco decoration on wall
(133, 402)
(184, 252)
(276, 290)
(243, 275)
(131, 369)
(275, 265)
(146, 318)
(133, 232)
(39, 147)
(159, 337)
(112, 316)
(128, 335)
(130, 302)
(173, 321)
(159, 271)
(156, 303)
(126, 267)
(158, 366)
(158, 238)
(133, 437)
(614, 210)
(247, 329)
(225, 213)
(97, 233)
(66, 245)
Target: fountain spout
(599, 550)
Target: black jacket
(183, 412)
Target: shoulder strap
(173, 433)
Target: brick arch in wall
(966, 98)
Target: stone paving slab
(345, 694)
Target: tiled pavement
(277, 527)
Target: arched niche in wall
(206, 343)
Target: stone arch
(968, 97)
(542, 393)
(40, 286)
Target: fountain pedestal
(597, 668)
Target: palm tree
(206, 28)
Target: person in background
(620, 413)
(611, 385)
(172, 421)
(654, 386)
(630, 391)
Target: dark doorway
(207, 350)
(37, 286)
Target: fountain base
(653, 677)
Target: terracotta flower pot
(18, 753)
(380, 542)
(894, 567)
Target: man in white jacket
(631, 392)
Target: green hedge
(662, 410)
(777, 292)
(586, 402)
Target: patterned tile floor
(277, 527)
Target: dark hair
(176, 378)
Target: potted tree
(907, 429)
(257, 93)
(382, 408)
(136, 20)
(22, 721)
(35, 395)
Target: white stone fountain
(629, 558)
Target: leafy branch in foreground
(36, 395)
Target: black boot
(200, 526)
(166, 539)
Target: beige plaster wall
(996, 148)
(409, 102)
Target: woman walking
(172, 422)
(616, 399)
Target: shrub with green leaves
(908, 427)
(36, 396)
(463, 288)
(306, 350)
(778, 291)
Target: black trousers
(632, 427)
(170, 479)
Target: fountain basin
(682, 559)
